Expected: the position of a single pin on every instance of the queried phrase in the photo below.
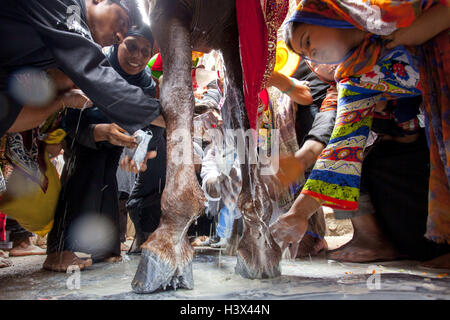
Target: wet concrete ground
(214, 278)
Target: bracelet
(291, 88)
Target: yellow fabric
(25, 201)
(55, 136)
(286, 61)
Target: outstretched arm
(82, 60)
(428, 25)
(299, 92)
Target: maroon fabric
(253, 44)
(2, 227)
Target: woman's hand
(114, 134)
(127, 164)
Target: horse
(180, 27)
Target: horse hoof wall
(154, 274)
(252, 272)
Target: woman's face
(321, 44)
(134, 53)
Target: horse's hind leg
(166, 258)
(258, 255)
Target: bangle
(291, 88)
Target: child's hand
(425, 27)
(404, 37)
(53, 149)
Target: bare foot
(5, 263)
(441, 262)
(113, 259)
(124, 247)
(60, 261)
(4, 254)
(311, 246)
(367, 245)
(25, 248)
(201, 241)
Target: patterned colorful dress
(371, 74)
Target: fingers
(143, 166)
(290, 170)
(122, 140)
(392, 40)
(123, 162)
(133, 167)
(115, 125)
(286, 235)
(75, 98)
(127, 164)
(119, 137)
(151, 155)
(293, 249)
(283, 246)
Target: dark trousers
(123, 216)
(16, 232)
(395, 175)
(88, 200)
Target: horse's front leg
(258, 256)
(166, 258)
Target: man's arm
(83, 61)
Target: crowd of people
(363, 123)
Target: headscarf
(378, 17)
(142, 30)
(370, 73)
(143, 79)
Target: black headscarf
(142, 30)
(143, 79)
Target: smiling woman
(134, 53)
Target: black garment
(322, 127)
(89, 180)
(395, 175)
(17, 232)
(89, 192)
(307, 114)
(123, 217)
(144, 203)
(49, 34)
(317, 86)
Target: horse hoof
(255, 271)
(153, 274)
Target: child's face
(134, 53)
(320, 44)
